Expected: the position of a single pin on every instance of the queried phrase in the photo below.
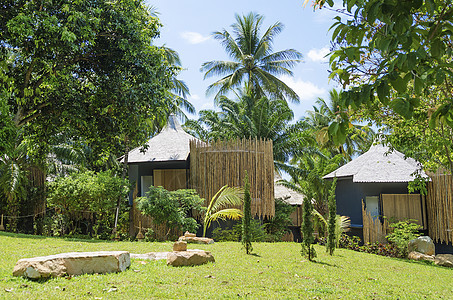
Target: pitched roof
(282, 192)
(379, 164)
(171, 144)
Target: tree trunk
(123, 176)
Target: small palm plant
(219, 207)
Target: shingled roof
(379, 164)
(171, 144)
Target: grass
(276, 271)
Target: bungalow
(378, 178)
(176, 160)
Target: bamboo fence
(439, 204)
(225, 163)
(402, 207)
(373, 229)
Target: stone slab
(73, 263)
(189, 258)
(196, 240)
(157, 255)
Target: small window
(146, 182)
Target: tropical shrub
(277, 226)
(257, 232)
(219, 207)
(403, 232)
(307, 229)
(86, 192)
(171, 208)
(246, 233)
(332, 223)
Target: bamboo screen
(171, 179)
(373, 229)
(404, 207)
(439, 207)
(225, 162)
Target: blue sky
(188, 25)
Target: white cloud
(305, 89)
(194, 37)
(318, 55)
(194, 97)
(207, 105)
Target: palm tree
(254, 62)
(219, 207)
(358, 137)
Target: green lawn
(277, 271)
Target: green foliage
(403, 232)
(257, 232)
(218, 207)
(87, 192)
(277, 226)
(246, 232)
(171, 208)
(332, 222)
(394, 60)
(307, 229)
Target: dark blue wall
(349, 196)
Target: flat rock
(73, 263)
(189, 258)
(422, 244)
(196, 240)
(414, 255)
(156, 255)
(188, 234)
(445, 260)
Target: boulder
(180, 246)
(74, 263)
(445, 260)
(189, 258)
(196, 240)
(422, 244)
(414, 255)
(188, 234)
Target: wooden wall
(439, 207)
(225, 162)
(373, 229)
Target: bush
(257, 232)
(82, 193)
(403, 232)
(277, 226)
(171, 208)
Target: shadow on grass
(325, 264)
(255, 254)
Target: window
(146, 182)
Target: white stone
(73, 263)
(422, 244)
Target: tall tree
(254, 62)
(390, 55)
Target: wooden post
(140, 236)
(2, 228)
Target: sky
(188, 25)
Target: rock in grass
(196, 240)
(422, 244)
(445, 260)
(414, 255)
(180, 246)
(73, 263)
(189, 258)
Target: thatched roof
(288, 195)
(171, 144)
(379, 164)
